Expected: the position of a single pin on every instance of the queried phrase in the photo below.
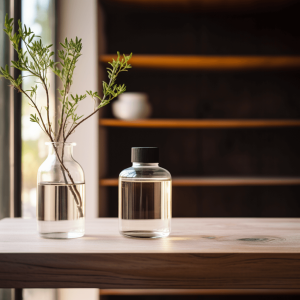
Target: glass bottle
(145, 196)
(60, 194)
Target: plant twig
(36, 60)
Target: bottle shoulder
(156, 173)
(50, 170)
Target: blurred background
(218, 87)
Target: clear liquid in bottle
(57, 211)
(145, 208)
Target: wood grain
(200, 254)
(210, 63)
(194, 123)
(220, 181)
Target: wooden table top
(208, 253)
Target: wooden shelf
(220, 181)
(211, 63)
(194, 123)
(231, 292)
(201, 253)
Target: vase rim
(60, 143)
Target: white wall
(79, 18)
(78, 294)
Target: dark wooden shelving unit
(208, 66)
(267, 112)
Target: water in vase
(60, 210)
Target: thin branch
(72, 130)
(65, 92)
(38, 111)
(48, 108)
(42, 78)
(32, 56)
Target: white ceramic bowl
(131, 106)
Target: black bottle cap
(145, 154)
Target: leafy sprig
(110, 90)
(37, 60)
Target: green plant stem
(78, 202)
(63, 107)
(44, 84)
(48, 108)
(36, 61)
(72, 129)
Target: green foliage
(38, 59)
(33, 91)
(34, 118)
(71, 107)
(112, 90)
(68, 58)
(35, 60)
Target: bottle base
(65, 229)
(62, 235)
(145, 234)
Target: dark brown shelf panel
(154, 292)
(220, 181)
(217, 63)
(194, 123)
(204, 5)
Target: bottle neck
(64, 150)
(135, 164)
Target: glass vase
(60, 194)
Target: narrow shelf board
(231, 292)
(225, 63)
(194, 123)
(220, 181)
